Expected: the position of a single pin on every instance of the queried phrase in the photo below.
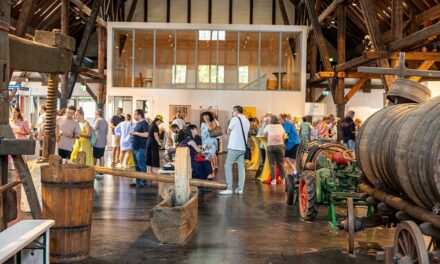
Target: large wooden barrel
(374, 146)
(417, 154)
(407, 91)
(67, 192)
(398, 149)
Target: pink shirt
(20, 127)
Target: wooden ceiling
(47, 14)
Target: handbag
(247, 153)
(200, 157)
(217, 132)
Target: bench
(16, 238)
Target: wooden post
(27, 9)
(182, 175)
(5, 10)
(339, 94)
(64, 30)
(101, 58)
(396, 24)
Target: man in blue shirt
(139, 143)
(292, 142)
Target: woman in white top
(275, 147)
(124, 130)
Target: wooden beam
(90, 25)
(87, 72)
(131, 11)
(86, 10)
(25, 15)
(188, 15)
(328, 11)
(319, 38)
(168, 11)
(251, 12)
(89, 90)
(397, 19)
(101, 64)
(376, 36)
(419, 38)
(146, 10)
(332, 74)
(64, 30)
(428, 15)
(366, 57)
(341, 37)
(28, 55)
(283, 12)
(354, 89)
(230, 11)
(274, 21)
(417, 56)
(423, 66)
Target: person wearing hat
(153, 144)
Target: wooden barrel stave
(68, 199)
(371, 152)
(413, 151)
(407, 91)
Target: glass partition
(143, 58)
(184, 72)
(207, 59)
(123, 58)
(165, 50)
(288, 61)
(269, 61)
(248, 69)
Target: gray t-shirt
(67, 126)
(101, 130)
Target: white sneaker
(274, 182)
(226, 192)
(239, 192)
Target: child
(314, 131)
(170, 150)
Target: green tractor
(328, 175)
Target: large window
(210, 74)
(179, 74)
(207, 59)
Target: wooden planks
(338, 97)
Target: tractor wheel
(308, 205)
(290, 189)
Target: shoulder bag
(247, 154)
(216, 132)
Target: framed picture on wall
(185, 111)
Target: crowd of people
(137, 141)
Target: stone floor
(256, 228)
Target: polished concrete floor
(257, 227)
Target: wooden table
(265, 173)
(17, 237)
(255, 151)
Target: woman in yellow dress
(83, 143)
